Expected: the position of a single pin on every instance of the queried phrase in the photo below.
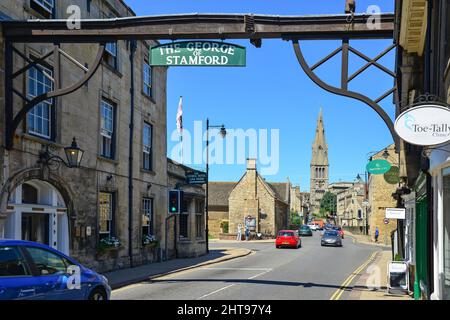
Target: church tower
(319, 166)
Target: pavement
(365, 239)
(124, 277)
(311, 272)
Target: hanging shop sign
(198, 53)
(196, 177)
(392, 176)
(424, 125)
(395, 213)
(379, 166)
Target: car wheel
(98, 294)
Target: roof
(219, 192)
(280, 189)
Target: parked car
(331, 238)
(313, 227)
(328, 226)
(340, 231)
(305, 230)
(288, 238)
(30, 270)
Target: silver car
(331, 238)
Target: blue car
(30, 270)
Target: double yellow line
(337, 295)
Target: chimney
(251, 164)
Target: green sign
(378, 166)
(198, 53)
(196, 177)
(392, 176)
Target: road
(309, 273)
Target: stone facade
(80, 115)
(190, 225)
(268, 203)
(319, 166)
(380, 198)
(351, 211)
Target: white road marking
(214, 292)
(239, 269)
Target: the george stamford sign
(198, 53)
(424, 125)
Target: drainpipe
(133, 46)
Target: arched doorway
(37, 212)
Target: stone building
(188, 239)
(264, 205)
(379, 198)
(72, 209)
(351, 210)
(299, 201)
(319, 166)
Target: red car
(288, 238)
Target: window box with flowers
(108, 244)
(149, 241)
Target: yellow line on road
(337, 295)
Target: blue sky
(272, 92)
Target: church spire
(320, 147)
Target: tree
(328, 203)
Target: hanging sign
(198, 53)
(395, 213)
(379, 166)
(424, 125)
(392, 176)
(196, 177)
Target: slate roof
(219, 192)
(280, 189)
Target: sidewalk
(243, 241)
(365, 239)
(360, 291)
(124, 277)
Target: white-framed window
(106, 129)
(147, 79)
(147, 216)
(110, 54)
(147, 133)
(106, 210)
(39, 119)
(44, 7)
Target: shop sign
(196, 177)
(395, 213)
(379, 166)
(198, 53)
(392, 176)
(424, 125)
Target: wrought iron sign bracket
(343, 90)
(13, 120)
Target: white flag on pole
(180, 116)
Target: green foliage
(225, 226)
(296, 220)
(328, 204)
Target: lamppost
(223, 133)
(73, 153)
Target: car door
(16, 280)
(52, 275)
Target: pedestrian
(377, 234)
(239, 232)
(247, 233)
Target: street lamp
(223, 133)
(73, 153)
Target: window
(359, 214)
(47, 262)
(107, 130)
(106, 209)
(110, 54)
(184, 220)
(147, 79)
(43, 7)
(199, 206)
(29, 194)
(147, 134)
(147, 216)
(12, 263)
(199, 225)
(39, 120)
(446, 226)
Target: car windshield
(304, 228)
(285, 234)
(331, 234)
